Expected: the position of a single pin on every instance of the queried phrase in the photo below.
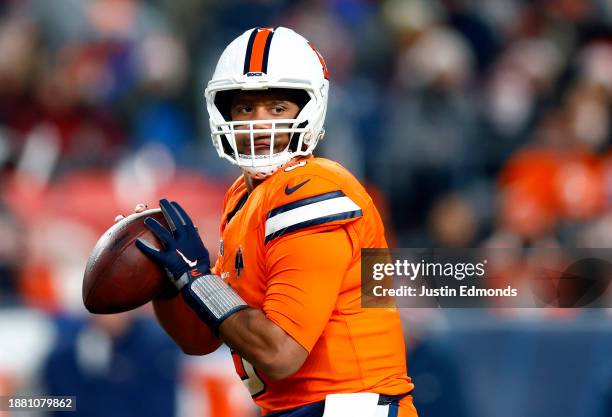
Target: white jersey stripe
(309, 212)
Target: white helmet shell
(262, 59)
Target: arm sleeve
(305, 275)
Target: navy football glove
(183, 249)
(187, 263)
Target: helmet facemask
(255, 163)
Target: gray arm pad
(212, 299)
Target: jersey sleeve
(305, 274)
(307, 202)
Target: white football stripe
(308, 212)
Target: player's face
(262, 105)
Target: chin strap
(259, 173)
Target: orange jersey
(293, 250)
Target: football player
(285, 292)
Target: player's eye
(278, 109)
(242, 109)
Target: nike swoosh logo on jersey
(291, 190)
(190, 263)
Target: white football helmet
(261, 59)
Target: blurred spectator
(452, 222)
(115, 365)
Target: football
(183, 325)
(118, 277)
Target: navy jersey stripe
(393, 410)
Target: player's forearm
(262, 343)
(257, 339)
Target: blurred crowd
(472, 123)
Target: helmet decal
(323, 64)
(258, 48)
